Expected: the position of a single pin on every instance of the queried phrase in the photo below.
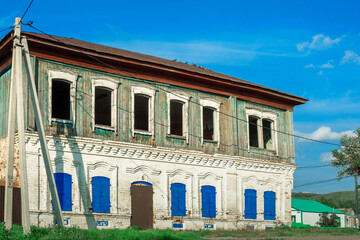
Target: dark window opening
(253, 132)
(103, 106)
(268, 142)
(60, 105)
(208, 123)
(176, 118)
(141, 112)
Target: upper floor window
(104, 99)
(210, 125)
(261, 129)
(178, 115)
(143, 110)
(62, 96)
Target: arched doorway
(142, 205)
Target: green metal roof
(306, 205)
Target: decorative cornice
(136, 151)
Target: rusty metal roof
(148, 60)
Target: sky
(307, 48)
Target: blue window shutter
(101, 194)
(63, 186)
(208, 200)
(178, 198)
(269, 205)
(250, 204)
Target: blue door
(63, 186)
(208, 200)
(250, 204)
(178, 197)
(101, 194)
(269, 205)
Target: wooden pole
(21, 132)
(9, 178)
(41, 132)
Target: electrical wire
(6, 28)
(166, 90)
(27, 9)
(319, 182)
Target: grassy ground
(134, 234)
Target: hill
(342, 199)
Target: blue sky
(307, 48)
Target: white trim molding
(184, 99)
(261, 115)
(149, 92)
(211, 103)
(112, 85)
(67, 77)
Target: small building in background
(350, 217)
(308, 212)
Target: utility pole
(20, 49)
(18, 98)
(356, 200)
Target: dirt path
(353, 237)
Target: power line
(319, 182)
(11, 27)
(313, 166)
(27, 9)
(166, 90)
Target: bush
(326, 221)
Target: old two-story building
(137, 140)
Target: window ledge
(61, 121)
(142, 132)
(105, 127)
(210, 141)
(176, 136)
(262, 149)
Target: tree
(326, 221)
(347, 159)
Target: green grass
(134, 233)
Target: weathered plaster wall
(125, 163)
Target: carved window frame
(263, 115)
(69, 78)
(149, 92)
(211, 103)
(112, 85)
(184, 99)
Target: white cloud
(325, 65)
(198, 52)
(319, 42)
(325, 133)
(350, 57)
(326, 157)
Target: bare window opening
(60, 102)
(253, 132)
(176, 118)
(208, 123)
(141, 111)
(103, 106)
(268, 142)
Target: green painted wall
(231, 143)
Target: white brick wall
(125, 163)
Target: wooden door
(142, 205)
(16, 211)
